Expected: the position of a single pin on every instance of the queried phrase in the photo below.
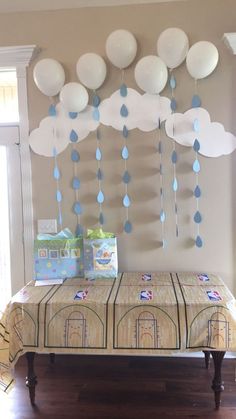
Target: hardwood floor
(92, 387)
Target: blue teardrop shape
(56, 173)
(96, 101)
(128, 227)
(125, 131)
(98, 154)
(54, 152)
(79, 230)
(196, 145)
(125, 153)
(96, 114)
(58, 196)
(100, 197)
(173, 104)
(197, 217)
(126, 177)
(175, 185)
(126, 201)
(52, 110)
(197, 192)
(73, 136)
(196, 125)
(172, 82)
(196, 166)
(123, 90)
(161, 192)
(198, 241)
(99, 174)
(77, 208)
(161, 169)
(162, 216)
(101, 218)
(124, 111)
(174, 157)
(75, 156)
(73, 115)
(160, 147)
(76, 183)
(196, 101)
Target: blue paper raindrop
(197, 192)
(77, 208)
(126, 201)
(73, 136)
(100, 197)
(175, 185)
(196, 166)
(75, 157)
(123, 90)
(125, 153)
(161, 169)
(96, 101)
(98, 154)
(79, 230)
(101, 218)
(128, 227)
(197, 217)
(126, 177)
(58, 196)
(125, 131)
(160, 147)
(173, 104)
(172, 82)
(54, 152)
(75, 183)
(124, 111)
(162, 216)
(96, 114)
(196, 125)
(198, 241)
(196, 145)
(56, 173)
(52, 110)
(99, 174)
(174, 157)
(73, 115)
(196, 101)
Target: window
(8, 96)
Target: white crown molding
(230, 41)
(16, 56)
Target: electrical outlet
(47, 226)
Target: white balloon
(202, 59)
(49, 76)
(74, 97)
(121, 48)
(151, 74)
(172, 46)
(91, 70)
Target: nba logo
(81, 295)
(146, 295)
(146, 277)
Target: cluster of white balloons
(151, 72)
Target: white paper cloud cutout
(214, 140)
(144, 111)
(54, 132)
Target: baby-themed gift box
(58, 256)
(100, 255)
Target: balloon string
(77, 191)
(99, 166)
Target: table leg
(207, 358)
(217, 383)
(31, 379)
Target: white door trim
(19, 57)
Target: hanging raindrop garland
(162, 211)
(196, 102)
(75, 158)
(174, 156)
(125, 155)
(56, 172)
(98, 155)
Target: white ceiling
(31, 5)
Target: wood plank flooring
(102, 387)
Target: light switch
(47, 226)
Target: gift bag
(100, 257)
(56, 257)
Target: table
(135, 314)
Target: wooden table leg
(207, 358)
(217, 383)
(31, 379)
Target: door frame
(19, 57)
